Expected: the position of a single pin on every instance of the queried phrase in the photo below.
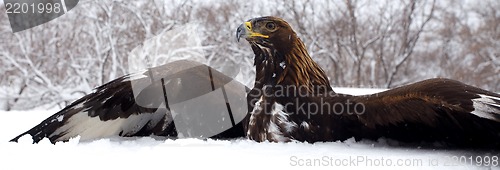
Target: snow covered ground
(149, 153)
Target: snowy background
(371, 44)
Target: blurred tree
(359, 43)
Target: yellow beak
(245, 30)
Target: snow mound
(153, 153)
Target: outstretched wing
(140, 105)
(432, 110)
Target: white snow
(149, 153)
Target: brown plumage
(435, 110)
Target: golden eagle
(291, 100)
(294, 101)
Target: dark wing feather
(432, 110)
(102, 108)
(135, 105)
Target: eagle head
(268, 32)
(281, 58)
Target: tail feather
(487, 106)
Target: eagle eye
(270, 25)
